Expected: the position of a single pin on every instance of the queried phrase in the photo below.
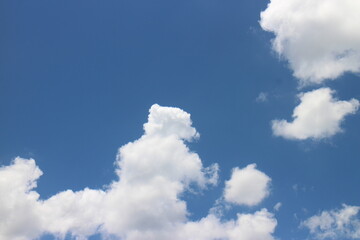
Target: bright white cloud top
(320, 39)
(319, 115)
(247, 186)
(335, 224)
(143, 204)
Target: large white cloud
(142, 204)
(319, 115)
(335, 224)
(247, 186)
(19, 206)
(320, 39)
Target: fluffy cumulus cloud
(320, 39)
(143, 203)
(341, 223)
(19, 208)
(247, 186)
(319, 115)
(257, 226)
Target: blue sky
(77, 81)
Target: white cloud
(79, 213)
(167, 121)
(19, 206)
(318, 116)
(335, 224)
(320, 39)
(142, 204)
(247, 186)
(277, 206)
(262, 97)
(260, 225)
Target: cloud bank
(143, 203)
(319, 115)
(335, 224)
(320, 39)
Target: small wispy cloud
(262, 97)
(341, 223)
(277, 206)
